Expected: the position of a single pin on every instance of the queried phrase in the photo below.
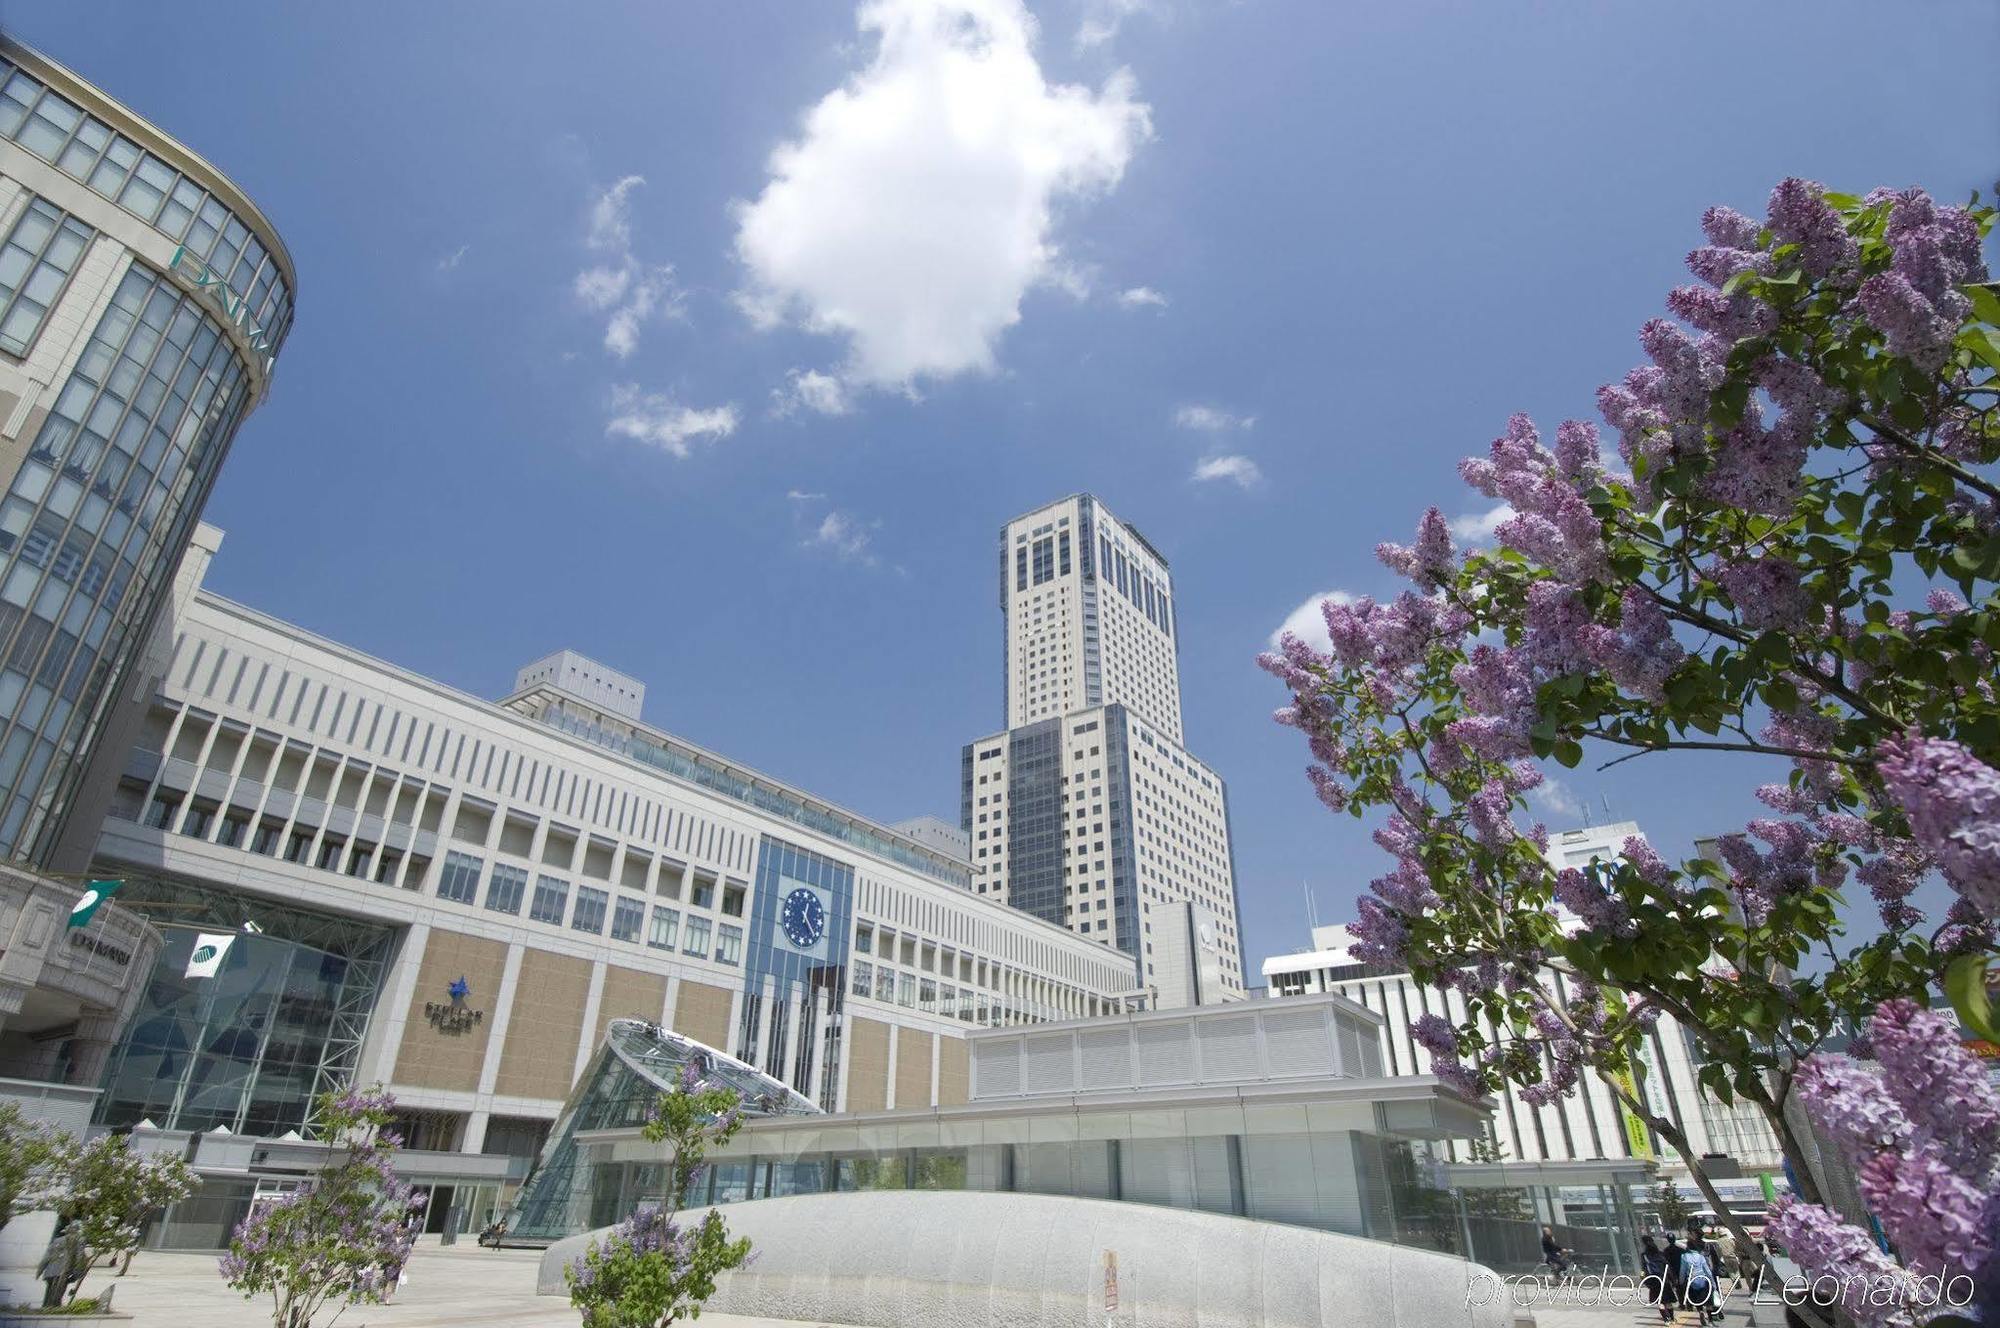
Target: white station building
(1590, 1125)
(455, 897)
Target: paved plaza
(460, 1286)
(465, 1286)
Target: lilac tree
(650, 1269)
(1793, 555)
(341, 1238)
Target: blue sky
(751, 437)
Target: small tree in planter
(651, 1271)
(114, 1190)
(1670, 1206)
(34, 1164)
(345, 1235)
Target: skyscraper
(1086, 810)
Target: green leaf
(1965, 986)
(1985, 302)
(1568, 753)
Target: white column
(386, 1032)
(592, 1005)
(503, 1010)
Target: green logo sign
(219, 292)
(202, 954)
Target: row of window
(1134, 585)
(36, 262)
(507, 885)
(85, 148)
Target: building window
(459, 881)
(266, 839)
(195, 826)
(885, 985)
(732, 899)
(35, 265)
(704, 892)
(628, 915)
(728, 944)
(505, 888)
(697, 937)
(551, 900)
(589, 915)
(329, 856)
(666, 929)
(864, 977)
(231, 834)
(161, 813)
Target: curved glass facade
(57, 130)
(249, 1047)
(92, 527)
(638, 1060)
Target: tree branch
(1902, 442)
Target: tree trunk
(1811, 1315)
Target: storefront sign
(97, 945)
(216, 289)
(454, 1016)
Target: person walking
(1670, 1287)
(1698, 1288)
(65, 1260)
(1653, 1265)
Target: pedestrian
(1670, 1290)
(65, 1260)
(1726, 1262)
(1698, 1281)
(1653, 1264)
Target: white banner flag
(209, 948)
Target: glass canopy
(637, 1062)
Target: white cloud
(844, 537)
(1141, 297)
(801, 496)
(1240, 469)
(809, 389)
(1478, 527)
(622, 286)
(1208, 419)
(1308, 624)
(917, 205)
(1554, 797)
(654, 417)
(454, 258)
(1102, 19)
(611, 217)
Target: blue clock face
(803, 918)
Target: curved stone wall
(900, 1259)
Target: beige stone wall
(544, 1026)
(954, 1071)
(431, 1057)
(629, 994)
(913, 1068)
(701, 1012)
(867, 1064)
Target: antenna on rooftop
(1312, 913)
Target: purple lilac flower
(1847, 1099)
(1428, 562)
(1966, 930)
(1767, 592)
(1491, 813)
(1932, 1213)
(1916, 328)
(1641, 653)
(1826, 1246)
(1944, 1091)
(1645, 859)
(1891, 876)
(1731, 317)
(1945, 603)
(1952, 800)
(1800, 215)
(1434, 1033)
(1728, 228)
(1379, 935)
(1578, 450)
(1600, 910)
